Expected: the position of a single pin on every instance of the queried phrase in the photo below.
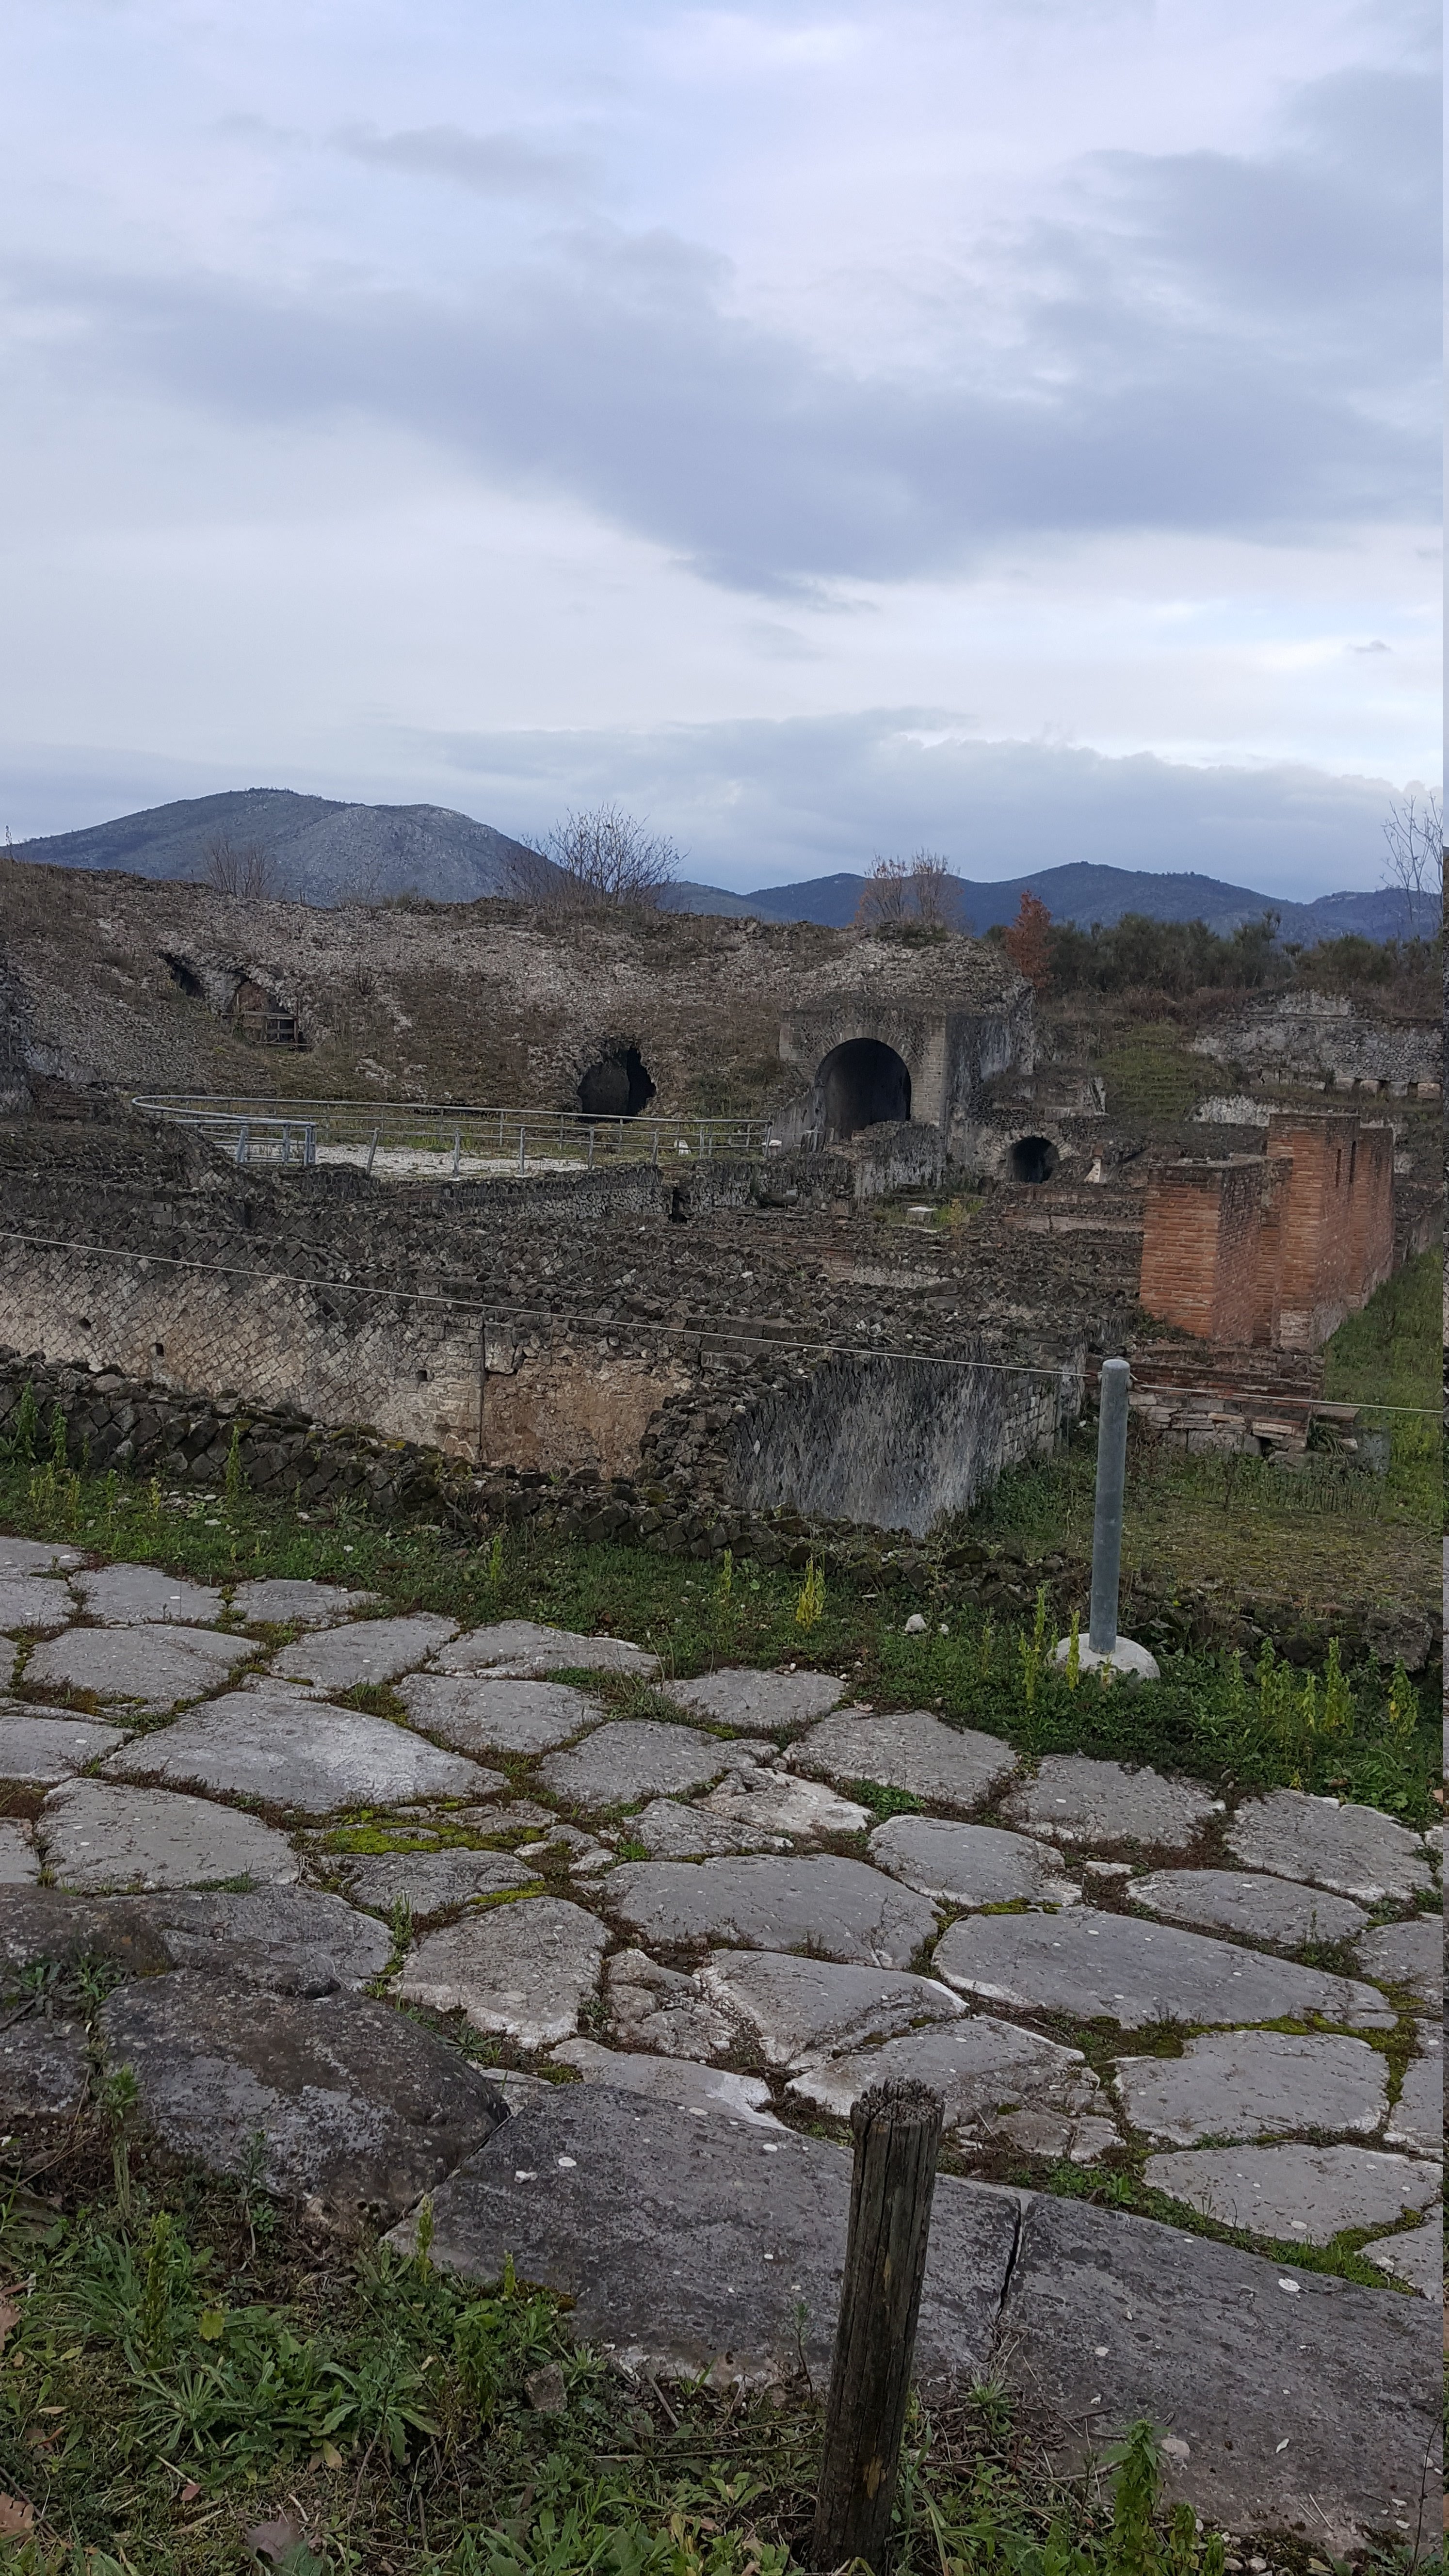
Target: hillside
(325, 851)
(328, 852)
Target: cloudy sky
(1009, 425)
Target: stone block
(1417, 2118)
(682, 2080)
(1260, 1908)
(1254, 2084)
(670, 1831)
(759, 1703)
(1074, 1800)
(1118, 1969)
(96, 1836)
(299, 1755)
(153, 1665)
(432, 1882)
(524, 1649)
(971, 1865)
(126, 1596)
(364, 1651)
(35, 1556)
(19, 1859)
(287, 1940)
(44, 2070)
(34, 1601)
(1310, 2192)
(1295, 2401)
(1355, 1851)
(280, 1600)
(634, 1758)
(951, 1766)
(359, 2110)
(524, 1969)
(656, 2008)
(686, 2251)
(1407, 1954)
(41, 1746)
(491, 1714)
(988, 2073)
(1414, 2256)
(795, 2009)
(770, 1804)
(841, 1908)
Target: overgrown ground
(1328, 1535)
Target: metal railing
(446, 1140)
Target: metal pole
(243, 1141)
(1107, 1523)
(591, 1149)
(656, 1145)
(309, 1145)
(522, 1155)
(457, 1149)
(372, 1148)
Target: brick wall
(1277, 1250)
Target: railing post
(372, 1150)
(457, 1149)
(591, 1149)
(309, 1146)
(522, 1149)
(243, 1141)
(1107, 1520)
(655, 1156)
(897, 2130)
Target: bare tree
(242, 868)
(599, 859)
(1414, 839)
(922, 890)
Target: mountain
(325, 852)
(322, 851)
(1081, 892)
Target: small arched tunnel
(1033, 1159)
(861, 1084)
(619, 1085)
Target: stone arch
(1032, 1159)
(618, 1084)
(861, 1083)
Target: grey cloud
(491, 165)
(1184, 365)
(758, 803)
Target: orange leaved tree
(1027, 942)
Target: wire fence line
(256, 1130)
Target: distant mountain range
(327, 852)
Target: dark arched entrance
(1033, 1159)
(861, 1084)
(618, 1086)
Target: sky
(1003, 426)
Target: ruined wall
(1329, 1039)
(1200, 1248)
(1336, 1239)
(898, 1444)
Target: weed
(235, 1482)
(810, 1607)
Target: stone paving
(1089, 1962)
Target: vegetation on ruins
(915, 897)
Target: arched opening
(184, 976)
(618, 1086)
(861, 1084)
(1033, 1159)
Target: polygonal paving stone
(693, 2245)
(40, 1923)
(1295, 2191)
(301, 1755)
(634, 1758)
(127, 1596)
(522, 1648)
(1252, 2084)
(669, 2079)
(951, 1765)
(759, 1702)
(19, 1859)
(44, 2070)
(358, 2109)
(1075, 1800)
(772, 1803)
(797, 2009)
(1417, 2118)
(1294, 2399)
(35, 1556)
(1133, 1973)
(1415, 2256)
(31, 1601)
(1356, 1851)
(971, 1864)
(364, 1651)
(489, 1714)
(842, 1908)
(46, 1745)
(432, 1882)
(987, 2073)
(1244, 1901)
(657, 2008)
(524, 1969)
(669, 1831)
(288, 1601)
(1407, 1954)
(289, 1940)
(154, 1665)
(97, 1836)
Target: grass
(196, 2366)
(1330, 1536)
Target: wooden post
(897, 2134)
